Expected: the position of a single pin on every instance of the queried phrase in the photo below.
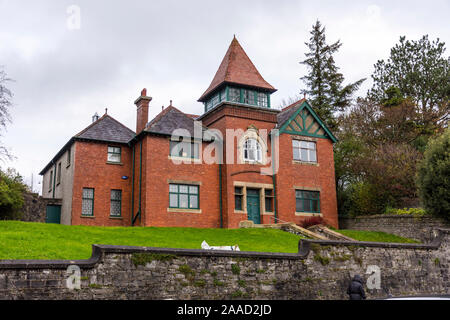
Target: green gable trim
(289, 129)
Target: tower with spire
(237, 81)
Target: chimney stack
(95, 117)
(142, 104)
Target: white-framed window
(114, 154)
(252, 150)
(190, 150)
(305, 151)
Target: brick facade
(147, 163)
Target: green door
(53, 214)
(253, 207)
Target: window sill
(179, 210)
(257, 163)
(89, 217)
(268, 213)
(114, 163)
(116, 218)
(184, 160)
(240, 212)
(308, 214)
(315, 164)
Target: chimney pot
(144, 92)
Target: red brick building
(240, 160)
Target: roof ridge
(293, 104)
(90, 126)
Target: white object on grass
(208, 247)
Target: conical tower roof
(237, 68)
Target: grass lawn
(375, 236)
(22, 240)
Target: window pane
(193, 189)
(113, 157)
(173, 200)
(193, 202)
(304, 144)
(195, 150)
(87, 207)
(296, 154)
(312, 145)
(296, 143)
(173, 188)
(183, 189)
(116, 195)
(238, 202)
(307, 206)
(88, 193)
(268, 204)
(303, 155)
(238, 190)
(299, 205)
(234, 95)
(312, 156)
(183, 200)
(315, 206)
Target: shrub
(11, 194)
(433, 174)
(416, 212)
(309, 222)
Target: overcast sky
(64, 74)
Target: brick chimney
(142, 104)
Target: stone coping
(391, 216)
(304, 248)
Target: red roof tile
(237, 68)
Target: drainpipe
(220, 195)
(54, 181)
(140, 181)
(132, 189)
(274, 182)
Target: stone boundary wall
(418, 228)
(34, 207)
(320, 270)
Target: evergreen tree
(420, 71)
(324, 83)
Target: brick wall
(93, 171)
(320, 270)
(294, 175)
(160, 170)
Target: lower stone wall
(35, 206)
(320, 270)
(419, 228)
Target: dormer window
(252, 150)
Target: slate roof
(107, 129)
(170, 119)
(237, 68)
(287, 112)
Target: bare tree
(5, 105)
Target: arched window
(252, 150)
